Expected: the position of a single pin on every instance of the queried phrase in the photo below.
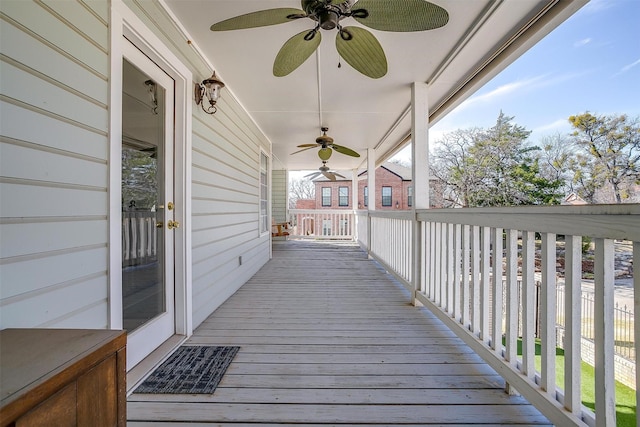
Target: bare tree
(300, 189)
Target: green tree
(609, 154)
(493, 167)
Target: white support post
(354, 189)
(371, 188)
(354, 205)
(420, 145)
(420, 172)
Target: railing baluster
(433, 260)
(528, 304)
(604, 340)
(572, 319)
(443, 265)
(475, 279)
(548, 314)
(450, 259)
(457, 260)
(497, 291)
(437, 265)
(485, 285)
(511, 332)
(426, 257)
(465, 276)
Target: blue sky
(591, 62)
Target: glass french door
(148, 224)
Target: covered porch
(328, 337)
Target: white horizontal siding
(16, 198)
(54, 268)
(51, 97)
(53, 165)
(52, 132)
(32, 52)
(51, 305)
(41, 22)
(279, 195)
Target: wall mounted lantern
(209, 91)
(153, 95)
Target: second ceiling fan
(327, 146)
(357, 46)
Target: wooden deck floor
(327, 337)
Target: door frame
(124, 23)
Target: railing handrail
(593, 220)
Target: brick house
(393, 190)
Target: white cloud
(502, 91)
(628, 67)
(582, 42)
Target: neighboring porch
(327, 337)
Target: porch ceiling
(481, 38)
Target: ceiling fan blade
(329, 175)
(362, 51)
(261, 18)
(325, 153)
(307, 145)
(313, 175)
(304, 149)
(294, 52)
(344, 150)
(337, 174)
(402, 15)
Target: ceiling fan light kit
(327, 147)
(324, 170)
(357, 46)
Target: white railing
(322, 224)
(139, 238)
(471, 264)
(362, 228)
(392, 242)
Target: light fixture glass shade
(209, 89)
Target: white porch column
(371, 178)
(420, 145)
(354, 204)
(354, 189)
(371, 188)
(420, 174)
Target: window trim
(343, 199)
(366, 195)
(263, 218)
(322, 197)
(390, 196)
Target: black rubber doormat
(190, 370)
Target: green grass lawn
(625, 396)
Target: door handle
(173, 224)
